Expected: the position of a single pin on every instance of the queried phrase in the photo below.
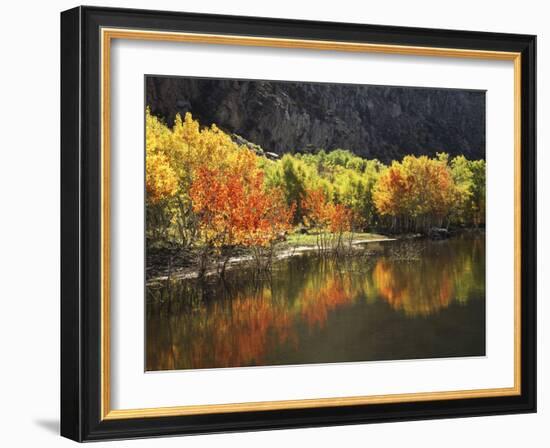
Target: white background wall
(29, 224)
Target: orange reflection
(245, 322)
(424, 287)
(238, 332)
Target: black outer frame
(81, 220)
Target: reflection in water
(311, 309)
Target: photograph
(298, 222)
(281, 221)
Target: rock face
(372, 121)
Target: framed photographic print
(273, 223)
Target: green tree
(293, 184)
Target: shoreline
(186, 273)
(290, 248)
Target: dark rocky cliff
(372, 121)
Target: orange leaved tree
(330, 221)
(234, 209)
(416, 193)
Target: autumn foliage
(417, 193)
(331, 221)
(206, 192)
(324, 215)
(234, 208)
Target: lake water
(393, 300)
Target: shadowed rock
(372, 121)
